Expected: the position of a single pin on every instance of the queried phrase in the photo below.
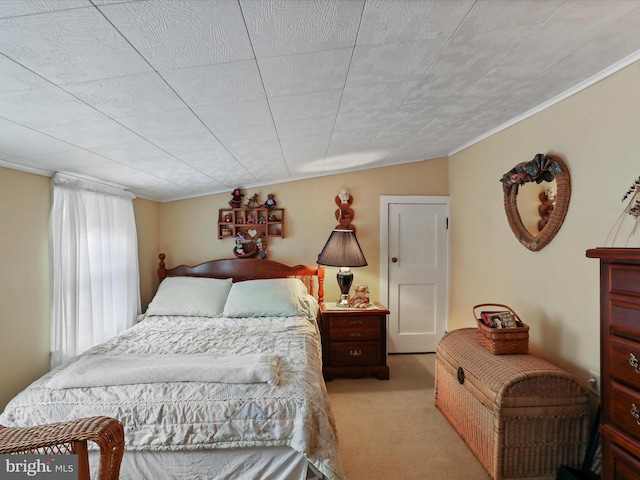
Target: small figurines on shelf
(236, 198)
(254, 201)
(271, 201)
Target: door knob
(394, 259)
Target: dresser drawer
(625, 321)
(624, 356)
(625, 409)
(354, 328)
(624, 466)
(624, 279)
(355, 353)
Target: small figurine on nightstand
(236, 198)
(271, 202)
(360, 298)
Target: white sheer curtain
(94, 265)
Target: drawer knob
(633, 361)
(355, 334)
(355, 322)
(357, 353)
(635, 413)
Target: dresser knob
(355, 334)
(355, 322)
(635, 413)
(357, 353)
(633, 361)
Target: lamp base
(344, 301)
(345, 278)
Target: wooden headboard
(240, 269)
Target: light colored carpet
(391, 429)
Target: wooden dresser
(620, 361)
(354, 341)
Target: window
(94, 265)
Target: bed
(220, 378)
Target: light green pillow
(278, 297)
(190, 297)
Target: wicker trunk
(520, 415)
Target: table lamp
(343, 250)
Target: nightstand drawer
(355, 353)
(354, 342)
(344, 328)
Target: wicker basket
(520, 415)
(502, 341)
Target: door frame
(385, 201)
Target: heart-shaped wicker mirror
(542, 168)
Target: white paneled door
(415, 270)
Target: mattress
(166, 420)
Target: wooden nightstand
(354, 341)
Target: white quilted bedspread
(199, 415)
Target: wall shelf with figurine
(251, 222)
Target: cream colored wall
(188, 227)
(147, 214)
(554, 290)
(24, 286)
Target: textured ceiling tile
(18, 141)
(249, 154)
(176, 33)
(127, 96)
(363, 119)
(433, 93)
(233, 176)
(84, 45)
(119, 174)
(388, 21)
(391, 62)
(309, 105)
(254, 135)
(130, 152)
(16, 78)
(306, 127)
(352, 158)
(302, 150)
(235, 115)
(91, 134)
(215, 84)
(213, 164)
(303, 26)
(45, 106)
(197, 149)
(491, 15)
(167, 125)
(17, 8)
(375, 97)
(471, 56)
(304, 73)
(426, 77)
(68, 160)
